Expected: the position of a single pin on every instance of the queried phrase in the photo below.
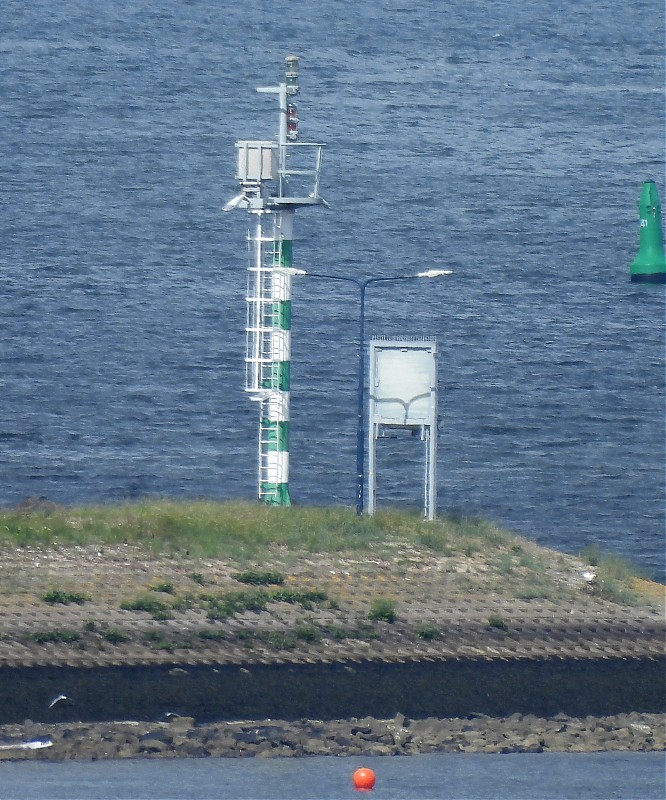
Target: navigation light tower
(276, 178)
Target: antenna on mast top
(291, 85)
(291, 74)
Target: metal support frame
(403, 395)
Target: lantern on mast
(276, 178)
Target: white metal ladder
(260, 317)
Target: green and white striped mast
(272, 177)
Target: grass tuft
(157, 608)
(383, 608)
(428, 632)
(259, 578)
(55, 596)
(115, 636)
(59, 635)
(163, 586)
(497, 622)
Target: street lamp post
(362, 285)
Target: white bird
(58, 699)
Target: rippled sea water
(508, 141)
(465, 776)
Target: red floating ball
(364, 779)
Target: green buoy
(649, 266)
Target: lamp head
(240, 200)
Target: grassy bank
(240, 529)
(478, 554)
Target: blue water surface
(543, 776)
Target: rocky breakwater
(125, 635)
(475, 733)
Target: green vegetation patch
(226, 604)
(60, 635)
(259, 578)
(233, 530)
(308, 633)
(497, 622)
(428, 632)
(435, 540)
(212, 634)
(307, 598)
(281, 640)
(614, 576)
(152, 605)
(617, 591)
(55, 596)
(383, 608)
(163, 586)
(115, 636)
